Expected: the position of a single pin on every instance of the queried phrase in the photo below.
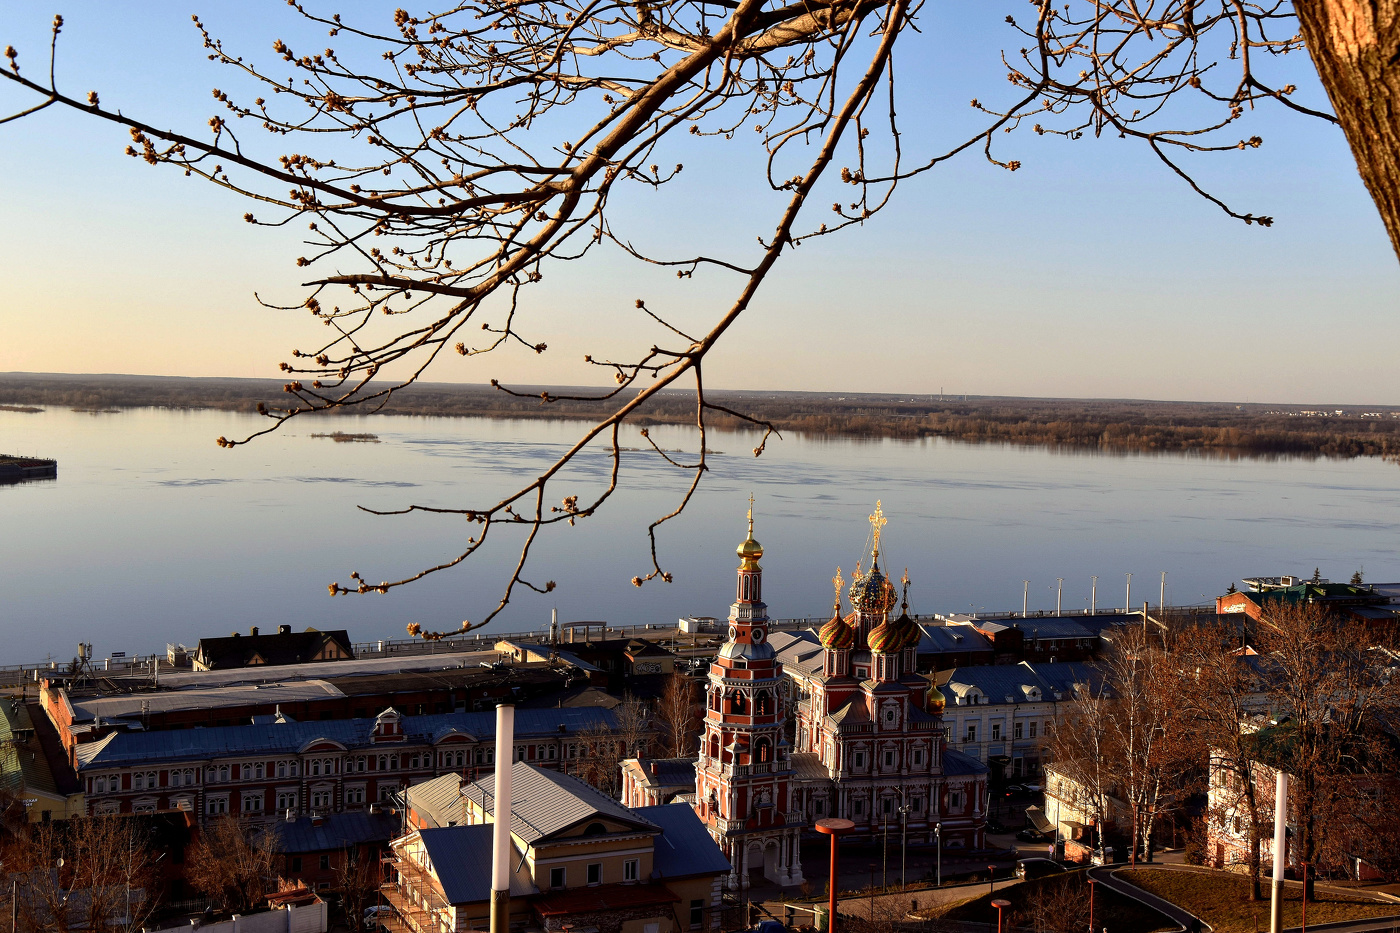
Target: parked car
(1102, 856)
(1015, 789)
(1033, 788)
(995, 825)
(1028, 869)
(374, 913)
(1031, 835)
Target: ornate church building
(867, 728)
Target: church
(845, 728)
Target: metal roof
(132, 705)
(460, 856)
(274, 673)
(934, 639)
(438, 801)
(664, 772)
(685, 846)
(956, 762)
(122, 748)
(335, 831)
(544, 802)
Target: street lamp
(938, 849)
(1000, 904)
(1092, 882)
(903, 844)
(833, 827)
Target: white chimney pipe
(1280, 855)
(500, 861)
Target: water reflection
(153, 535)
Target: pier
(23, 469)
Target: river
(152, 534)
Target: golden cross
(750, 515)
(877, 522)
(837, 582)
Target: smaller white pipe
(1280, 851)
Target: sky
(1090, 272)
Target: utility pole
(1059, 590)
(1025, 596)
(1128, 596)
(938, 851)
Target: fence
(309, 918)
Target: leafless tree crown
(443, 163)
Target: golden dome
(750, 550)
(936, 700)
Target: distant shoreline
(1110, 425)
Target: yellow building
(580, 858)
(44, 783)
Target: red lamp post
(999, 904)
(1092, 882)
(833, 827)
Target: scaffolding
(416, 897)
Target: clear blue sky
(1090, 272)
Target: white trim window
(286, 800)
(253, 803)
(630, 869)
(216, 806)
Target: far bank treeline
(1091, 424)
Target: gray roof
(134, 704)
(124, 748)
(665, 772)
(1045, 627)
(998, 681)
(281, 673)
(545, 802)
(936, 639)
(684, 847)
(438, 801)
(807, 766)
(336, 831)
(461, 859)
(798, 651)
(956, 762)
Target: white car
(374, 913)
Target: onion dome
(873, 593)
(909, 633)
(836, 635)
(750, 550)
(884, 638)
(936, 699)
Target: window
(252, 803)
(818, 807)
(595, 873)
(281, 769)
(325, 862)
(1016, 731)
(296, 863)
(889, 759)
(630, 869)
(320, 799)
(971, 733)
(887, 806)
(918, 756)
(996, 731)
(143, 807)
(858, 807)
(216, 806)
(286, 800)
(316, 768)
(955, 799)
(258, 770)
(360, 763)
(386, 792)
(556, 878)
(1033, 725)
(860, 759)
(697, 914)
(354, 795)
(918, 805)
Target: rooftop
(685, 846)
(545, 802)
(460, 856)
(334, 831)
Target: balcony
(728, 826)
(794, 817)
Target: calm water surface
(152, 534)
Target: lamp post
(903, 845)
(1092, 882)
(833, 827)
(1000, 904)
(938, 850)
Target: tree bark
(1355, 46)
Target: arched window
(763, 750)
(714, 746)
(595, 829)
(737, 705)
(763, 700)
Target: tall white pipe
(1094, 596)
(1128, 596)
(1280, 854)
(500, 860)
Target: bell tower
(743, 774)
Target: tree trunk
(1355, 46)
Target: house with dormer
(1002, 714)
(580, 860)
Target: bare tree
(678, 716)
(604, 748)
(1056, 904)
(357, 880)
(1220, 694)
(1336, 696)
(446, 163)
(233, 864)
(93, 874)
